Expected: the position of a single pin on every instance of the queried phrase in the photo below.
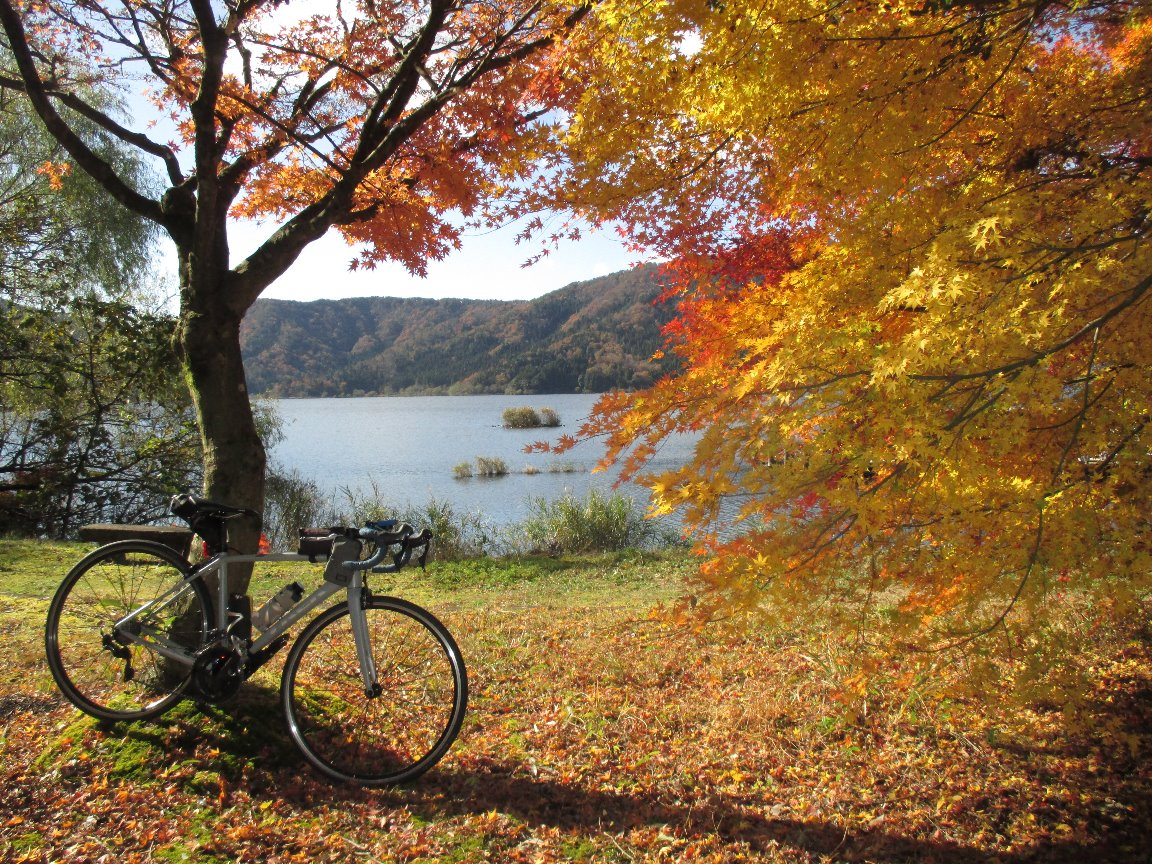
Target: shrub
(361, 505)
(455, 534)
(521, 417)
(599, 523)
(462, 471)
(291, 503)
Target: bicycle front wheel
(410, 720)
(93, 647)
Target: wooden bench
(172, 536)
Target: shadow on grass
(572, 808)
(12, 704)
(250, 745)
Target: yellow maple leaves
(55, 172)
(936, 386)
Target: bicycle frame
(130, 627)
(131, 632)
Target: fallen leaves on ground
(598, 734)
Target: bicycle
(373, 690)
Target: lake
(408, 446)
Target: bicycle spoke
(107, 673)
(384, 738)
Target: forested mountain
(588, 337)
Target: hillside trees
(605, 329)
(912, 242)
(95, 423)
(382, 120)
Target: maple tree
(383, 120)
(911, 243)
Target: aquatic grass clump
(490, 466)
(598, 523)
(485, 466)
(524, 417)
(565, 468)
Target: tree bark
(208, 338)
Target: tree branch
(1134, 296)
(105, 122)
(100, 170)
(390, 122)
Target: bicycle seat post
(222, 593)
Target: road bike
(374, 688)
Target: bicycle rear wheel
(100, 667)
(396, 734)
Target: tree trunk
(234, 456)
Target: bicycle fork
(358, 596)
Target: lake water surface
(408, 447)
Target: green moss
(23, 844)
(578, 849)
(34, 568)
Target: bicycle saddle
(187, 505)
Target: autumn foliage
(912, 245)
(389, 123)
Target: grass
(491, 466)
(33, 568)
(597, 731)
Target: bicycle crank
(217, 673)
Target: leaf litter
(597, 732)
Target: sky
(489, 266)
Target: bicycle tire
(115, 679)
(389, 738)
